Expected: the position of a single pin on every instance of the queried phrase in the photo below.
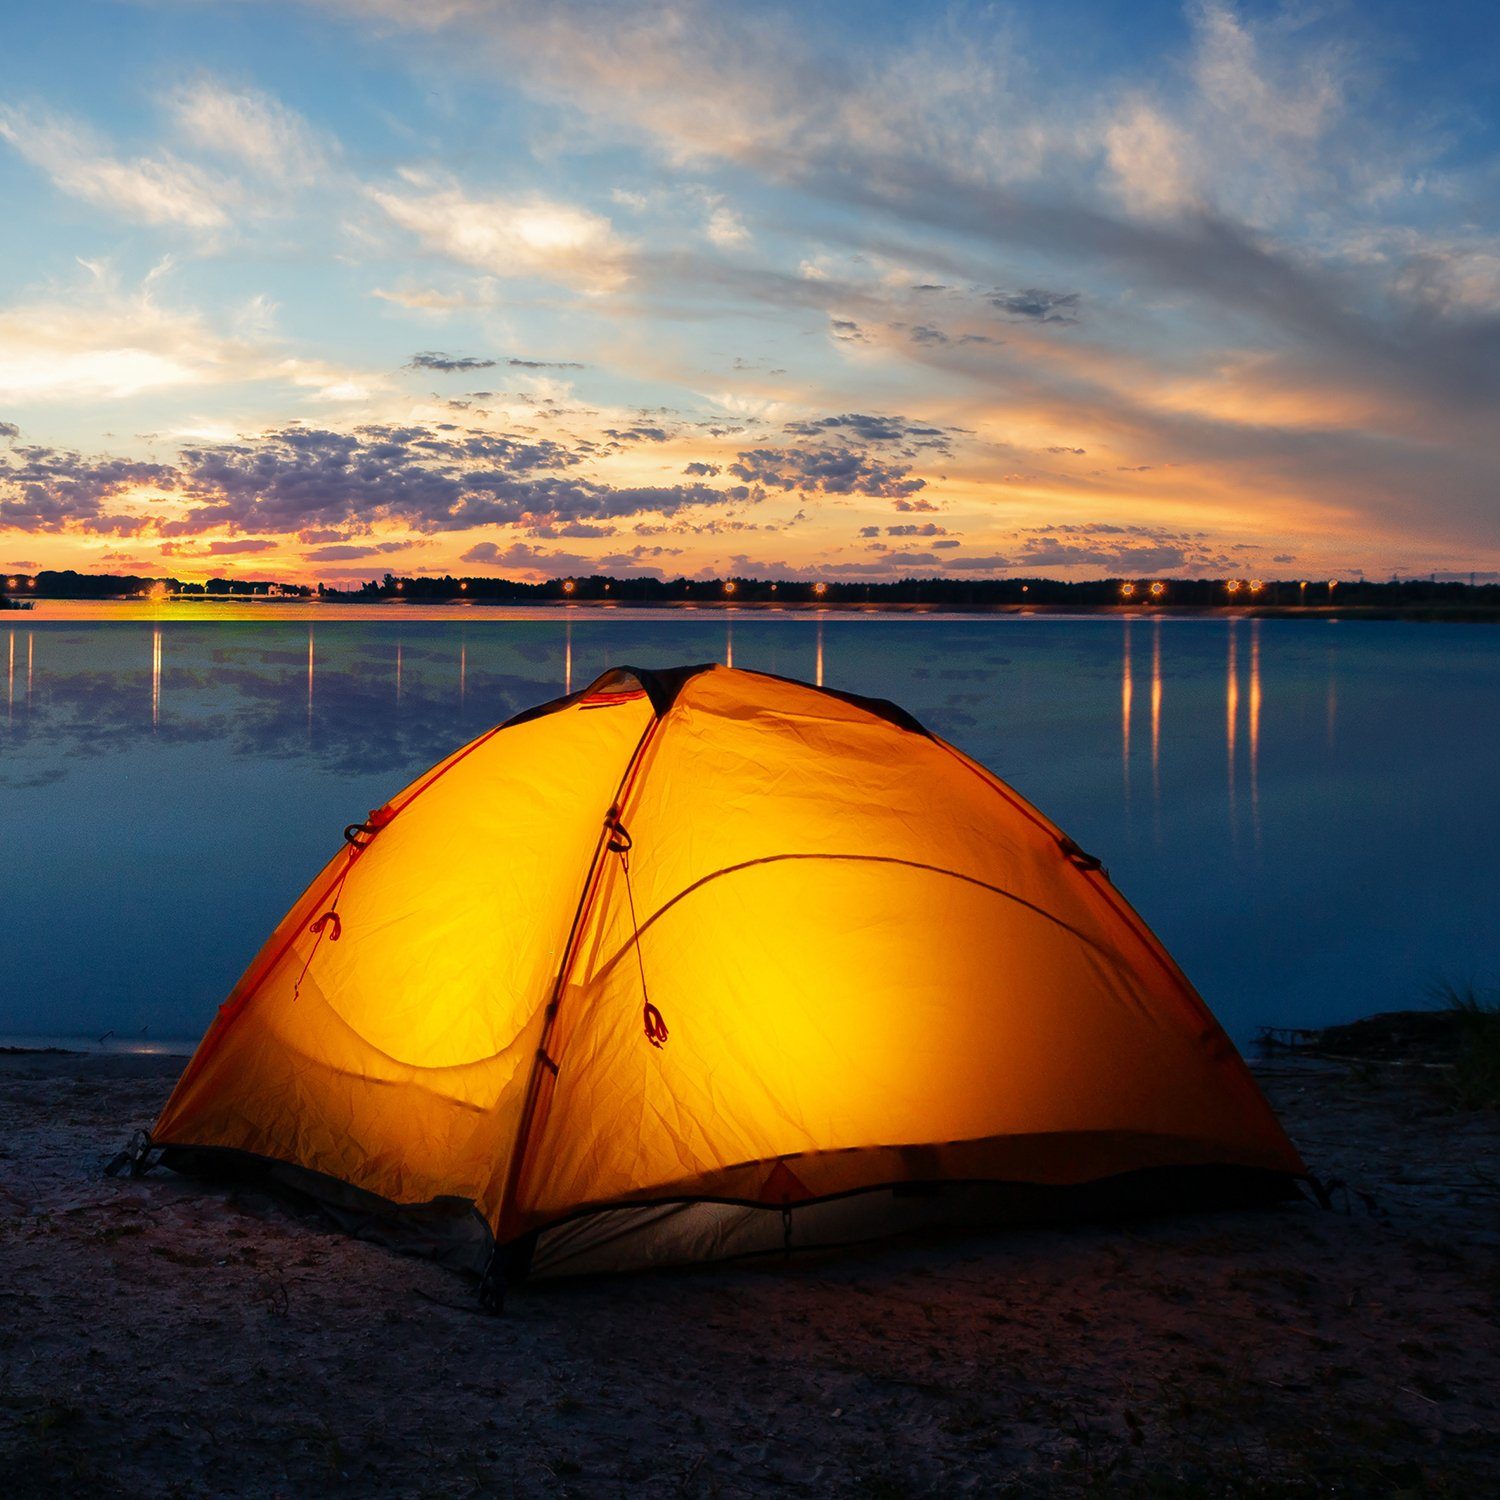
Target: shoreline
(166, 1335)
(200, 609)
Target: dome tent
(702, 962)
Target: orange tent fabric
(710, 937)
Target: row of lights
(1232, 586)
(570, 586)
(15, 583)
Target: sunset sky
(873, 289)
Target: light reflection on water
(1321, 807)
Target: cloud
(159, 189)
(825, 471)
(95, 340)
(1149, 159)
(725, 228)
(523, 236)
(847, 331)
(424, 299)
(231, 547)
(1129, 557)
(874, 429)
(578, 530)
(48, 490)
(1037, 305)
(1290, 297)
(706, 471)
(354, 551)
(447, 364)
(521, 557)
(303, 481)
(256, 130)
(9, 431)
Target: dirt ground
(160, 1338)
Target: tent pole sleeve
(507, 1227)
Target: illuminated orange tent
(704, 962)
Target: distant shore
(161, 1335)
(835, 593)
(206, 607)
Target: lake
(1305, 811)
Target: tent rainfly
(701, 963)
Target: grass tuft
(1476, 1071)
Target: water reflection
(1331, 711)
(99, 774)
(1254, 734)
(1231, 722)
(1127, 693)
(1156, 696)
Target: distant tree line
(948, 593)
(940, 593)
(68, 584)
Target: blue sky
(858, 290)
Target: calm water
(1305, 811)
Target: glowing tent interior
(702, 962)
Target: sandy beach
(159, 1337)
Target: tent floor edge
(681, 1233)
(450, 1231)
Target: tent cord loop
(327, 924)
(329, 919)
(135, 1158)
(1078, 856)
(621, 843)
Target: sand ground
(159, 1338)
